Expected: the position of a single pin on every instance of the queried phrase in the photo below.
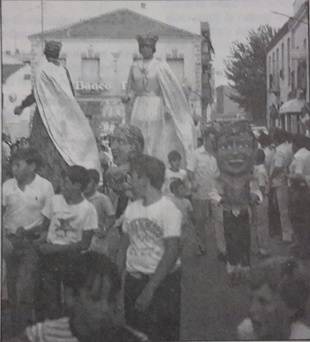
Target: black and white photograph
(155, 175)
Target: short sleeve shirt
(147, 227)
(23, 207)
(104, 207)
(68, 221)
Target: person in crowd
(158, 105)
(149, 254)
(266, 145)
(279, 185)
(203, 172)
(178, 195)
(126, 142)
(6, 154)
(104, 240)
(260, 211)
(236, 191)
(57, 117)
(23, 198)
(174, 171)
(279, 294)
(91, 307)
(69, 222)
(299, 197)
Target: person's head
(175, 158)
(147, 45)
(91, 303)
(52, 49)
(299, 141)
(209, 139)
(146, 172)
(279, 294)
(279, 136)
(264, 140)
(177, 187)
(260, 157)
(93, 182)
(126, 142)
(74, 181)
(236, 147)
(24, 143)
(25, 163)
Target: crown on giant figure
(147, 39)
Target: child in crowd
(23, 198)
(70, 220)
(260, 211)
(178, 196)
(91, 307)
(174, 171)
(104, 240)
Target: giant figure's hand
(18, 110)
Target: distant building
(225, 107)
(98, 53)
(288, 71)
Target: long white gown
(160, 110)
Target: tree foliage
(246, 72)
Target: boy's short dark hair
(29, 155)
(78, 174)
(150, 167)
(175, 185)
(260, 157)
(285, 277)
(93, 175)
(174, 155)
(85, 272)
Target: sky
(229, 20)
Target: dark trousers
(54, 269)
(299, 208)
(161, 320)
(238, 237)
(22, 275)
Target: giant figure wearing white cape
(159, 106)
(60, 130)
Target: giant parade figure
(60, 131)
(158, 105)
(237, 192)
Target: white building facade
(288, 71)
(99, 52)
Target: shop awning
(293, 106)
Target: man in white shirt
(149, 254)
(203, 171)
(299, 203)
(279, 182)
(24, 196)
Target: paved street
(211, 309)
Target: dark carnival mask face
(236, 150)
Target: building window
(282, 61)
(176, 63)
(90, 69)
(289, 61)
(277, 68)
(273, 65)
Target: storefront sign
(92, 87)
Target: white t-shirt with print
(23, 208)
(147, 227)
(68, 221)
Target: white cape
(63, 118)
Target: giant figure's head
(52, 49)
(147, 45)
(236, 147)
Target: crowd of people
(94, 253)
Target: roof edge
(48, 32)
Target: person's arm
(164, 267)
(40, 230)
(27, 102)
(122, 253)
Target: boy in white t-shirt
(174, 171)
(23, 198)
(70, 220)
(149, 254)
